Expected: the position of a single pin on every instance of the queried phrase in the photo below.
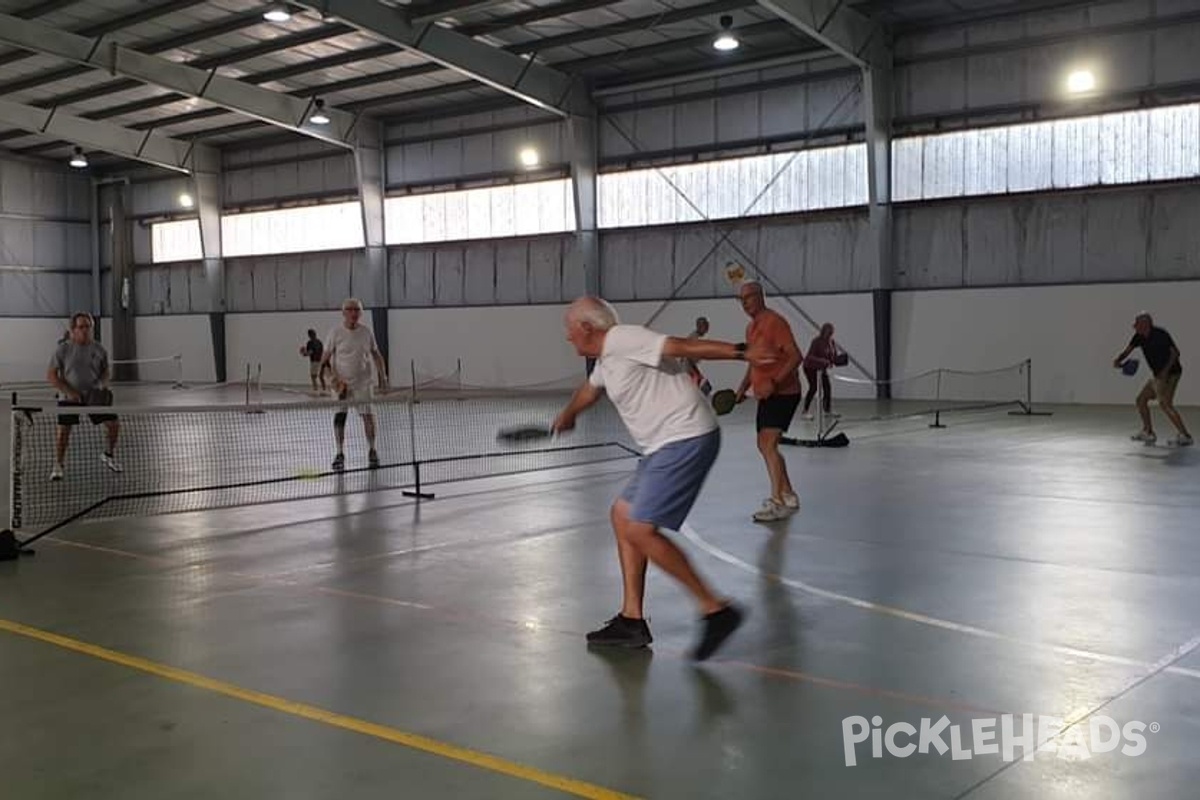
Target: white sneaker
(1145, 437)
(1182, 440)
(772, 512)
(56, 474)
(111, 463)
(791, 502)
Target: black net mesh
(193, 458)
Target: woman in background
(821, 356)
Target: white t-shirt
(655, 397)
(350, 352)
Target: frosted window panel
(479, 214)
(907, 155)
(1029, 153)
(691, 203)
(567, 222)
(1174, 142)
(1124, 147)
(293, 230)
(784, 195)
(756, 174)
(855, 181)
(403, 220)
(525, 204)
(944, 166)
(985, 160)
(175, 241)
(433, 217)
(550, 206)
(724, 190)
(457, 213)
(661, 197)
(625, 211)
(503, 213)
(824, 188)
(1076, 152)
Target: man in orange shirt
(777, 388)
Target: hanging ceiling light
(725, 40)
(319, 117)
(277, 14)
(1081, 81)
(78, 159)
(529, 157)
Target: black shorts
(776, 412)
(73, 419)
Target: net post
(1027, 405)
(416, 490)
(178, 359)
(412, 376)
(253, 400)
(412, 441)
(937, 402)
(15, 548)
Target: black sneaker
(339, 462)
(718, 626)
(373, 460)
(621, 632)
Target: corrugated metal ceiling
(598, 39)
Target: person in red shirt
(777, 388)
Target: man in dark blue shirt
(1162, 357)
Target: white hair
(755, 285)
(595, 312)
(352, 302)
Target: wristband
(740, 348)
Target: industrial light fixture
(186, 200)
(725, 40)
(279, 13)
(1081, 81)
(529, 157)
(319, 117)
(78, 159)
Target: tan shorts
(1163, 389)
(314, 369)
(359, 395)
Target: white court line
(957, 627)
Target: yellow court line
(475, 758)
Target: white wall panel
(527, 345)
(188, 336)
(1071, 332)
(29, 343)
(273, 340)
(524, 345)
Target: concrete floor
(1003, 565)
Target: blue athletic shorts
(668, 481)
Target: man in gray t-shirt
(79, 372)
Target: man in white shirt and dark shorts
(646, 376)
(353, 355)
